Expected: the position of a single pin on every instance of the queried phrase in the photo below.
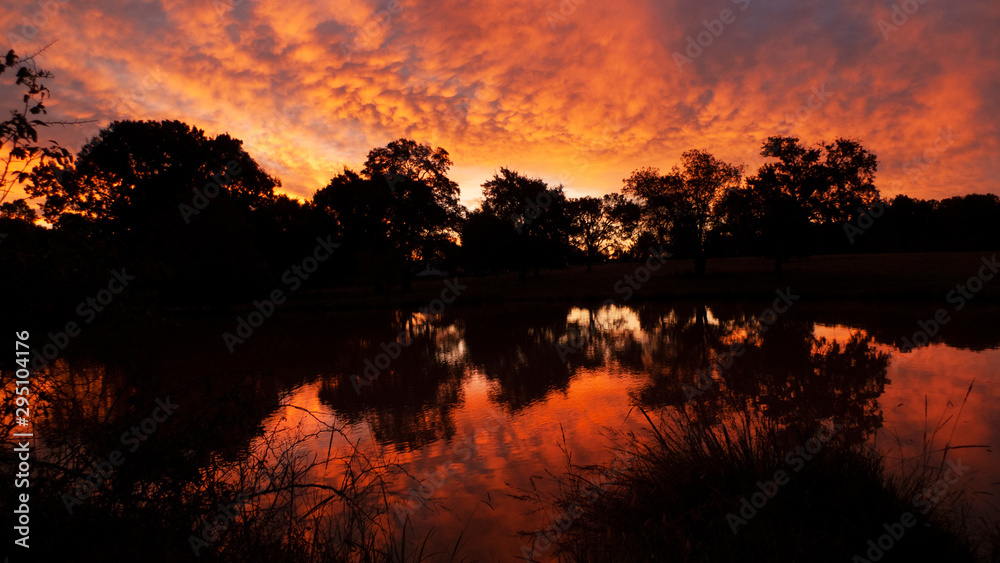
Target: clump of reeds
(679, 492)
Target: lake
(475, 406)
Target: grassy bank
(747, 490)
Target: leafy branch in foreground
(19, 145)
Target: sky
(576, 92)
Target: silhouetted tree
(704, 180)
(684, 200)
(970, 222)
(489, 243)
(170, 202)
(738, 224)
(536, 212)
(285, 227)
(407, 159)
(601, 226)
(363, 213)
(906, 224)
(18, 210)
(909, 224)
(401, 209)
(657, 195)
(808, 187)
(134, 176)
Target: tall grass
(284, 502)
(674, 493)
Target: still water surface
(510, 399)
(485, 402)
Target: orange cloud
(576, 92)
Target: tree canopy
(806, 188)
(401, 209)
(681, 205)
(536, 213)
(182, 206)
(137, 173)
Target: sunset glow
(576, 93)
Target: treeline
(200, 216)
(199, 221)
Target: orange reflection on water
(471, 472)
(489, 452)
(485, 406)
(941, 376)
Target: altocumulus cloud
(494, 77)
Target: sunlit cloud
(578, 93)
